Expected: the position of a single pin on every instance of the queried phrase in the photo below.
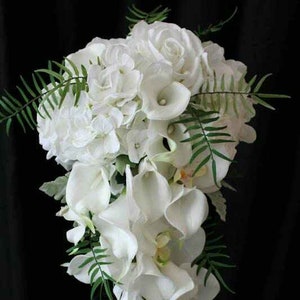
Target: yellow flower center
(163, 252)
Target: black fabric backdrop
(262, 227)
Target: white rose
(178, 47)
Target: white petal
(80, 274)
(247, 134)
(187, 211)
(113, 224)
(180, 278)
(162, 98)
(75, 234)
(132, 206)
(87, 189)
(176, 96)
(152, 194)
(187, 250)
(201, 291)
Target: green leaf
(94, 274)
(216, 27)
(56, 188)
(252, 80)
(260, 83)
(95, 286)
(136, 15)
(8, 125)
(28, 88)
(51, 73)
(19, 118)
(262, 102)
(201, 142)
(221, 155)
(222, 265)
(121, 162)
(216, 128)
(202, 163)
(192, 138)
(86, 262)
(220, 141)
(210, 120)
(208, 272)
(196, 153)
(273, 96)
(221, 280)
(214, 134)
(214, 171)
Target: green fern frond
(46, 91)
(204, 137)
(136, 15)
(213, 256)
(99, 279)
(203, 33)
(225, 94)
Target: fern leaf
(136, 15)
(203, 33)
(213, 257)
(203, 141)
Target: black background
(262, 228)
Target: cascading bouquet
(146, 127)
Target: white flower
(201, 291)
(115, 85)
(156, 273)
(86, 56)
(165, 143)
(204, 179)
(162, 97)
(178, 47)
(121, 244)
(88, 189)
(187, 210)
(151, 192)
(68, 132)
(228, 69)
(137, 141)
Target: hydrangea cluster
(128, 157)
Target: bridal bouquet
(146, 128)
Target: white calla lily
(187, 211)
(163, 98)
(87, 189)
(162, 132)
(113, 224)
(151, 192)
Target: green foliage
(41, 97)
(204, 137)
(214, 256)
(99, 279)
(56, 188)
(219, 202)
(212, 28)
(136, 15)
(226, 94)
